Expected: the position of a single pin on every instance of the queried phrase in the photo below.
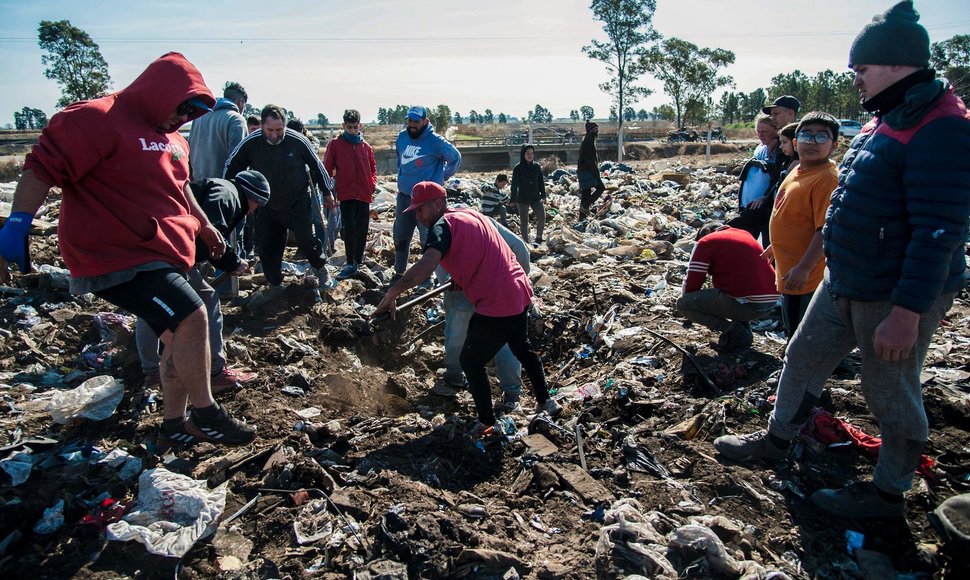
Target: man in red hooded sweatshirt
(128, 226)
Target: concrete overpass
(485, 157)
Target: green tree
(440, 117)
(613, 115)
(697, 111)
(381, 116)
(250, 110)
(752, 103)
(665, 112)
(503, 118)
(28, 118)
(643, 115)
(574, 115)
(951, 58)
(629, 114)
(488, 117)
(74, 61)
(322, 120)
(795, 83)
(628, 25)
(397, 115)
(456, 119)
(823, 93)
(21, 119)
(689, 73)
(474, 117)
(586, 112)
(539, 115)
(729, 107)
(847, 105)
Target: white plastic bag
(95, 399)
(172, 512)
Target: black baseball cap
(788, 101)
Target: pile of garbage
(360, 469)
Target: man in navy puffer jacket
(894, 241)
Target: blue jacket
(897, 225)
(430, 157)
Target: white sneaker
(317, 277)
(261, 297)
(550, 407)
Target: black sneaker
(165, 441)
(223, 429)
(736, 338)
(858, 501)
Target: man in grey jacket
(215, 135)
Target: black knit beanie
(253, 185)
(893, 37)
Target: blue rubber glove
(13, 239)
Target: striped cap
(253, 185)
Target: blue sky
(325, 56)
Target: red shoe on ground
(230, 379)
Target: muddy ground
(388, 465)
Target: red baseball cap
(424, 192)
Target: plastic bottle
(507, 425)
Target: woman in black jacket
(528, 191)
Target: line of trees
(476, 118)
(439, 116)
(690, 75)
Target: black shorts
(163, 298)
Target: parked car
(849, 128)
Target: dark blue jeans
(355, 221)
(486, 336)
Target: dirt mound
(647, 151)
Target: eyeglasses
(820, 138)
(186, 109)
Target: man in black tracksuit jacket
(283, 156)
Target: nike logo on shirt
(410, 154)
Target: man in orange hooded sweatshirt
(128, 226)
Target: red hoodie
(123, 201)
(354, 168)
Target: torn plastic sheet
(171, 514)
(18, 465)
(95, 399)
(641, 459)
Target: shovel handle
(384, 316)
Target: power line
(437, 39)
